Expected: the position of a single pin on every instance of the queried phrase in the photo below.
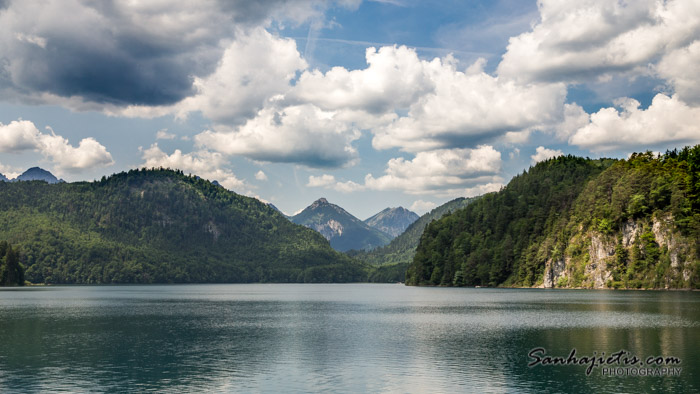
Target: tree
(11, 271)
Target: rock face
(599, 263)
(343, 230)
(392, 221)
(3, 178)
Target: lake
(342, 338)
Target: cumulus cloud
(164, 135)
(680, 68)
(394, 78)
(321, 181)
(448, 170)
(119, 53)
(301, 134)
(208, 165)
(443, 173)
(666, 121)
(23, 135)
(329, 182)
(9, 172)
(19, 135)
(260, 175)
(466, 109)
(420, 206)
(542, 154)
(254, 68)
(580, 41)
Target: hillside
(157, 226)
(343, 230)
(392, 221)
(573, 222)
(393, 259)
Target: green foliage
(11, 270)
(550, 212)
(391, 273)
(495, 239)
(160, 226)
(604, 226)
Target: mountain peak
(38, 174)
(342, 229)
(392, 221)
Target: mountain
(392, 260)
(574, 222)
(343, 230)
(160, 226)
(392, 221)
(3, 178)
(38, 174)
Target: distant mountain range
(34, 174)
(393, 259)
(392, 221)
(343, 230)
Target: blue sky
(367, 103)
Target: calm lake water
(339, 338)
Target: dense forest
(11, 269)
(160, 226)
(574, 222)
(391, 261)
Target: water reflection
(344, 338)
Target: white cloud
(394, 78)
(667, 121)
(515, 153)
(466, 109)
(321, 181)
(23, 135)
(208, 165)
(298, 134)
(260, 175)
(88, 154)
(254, 67)
(19, 135)
(348, 187)
(164, 135)
(10, 172)
(681, 68)
(574, 118)
(420, 206)
(448, 170)
(584, 40)
(542, 154)
(479, 190)
(329, 182)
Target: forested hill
(573, 222)
(158, 226)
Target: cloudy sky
(367, 103)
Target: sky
(370, 104)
